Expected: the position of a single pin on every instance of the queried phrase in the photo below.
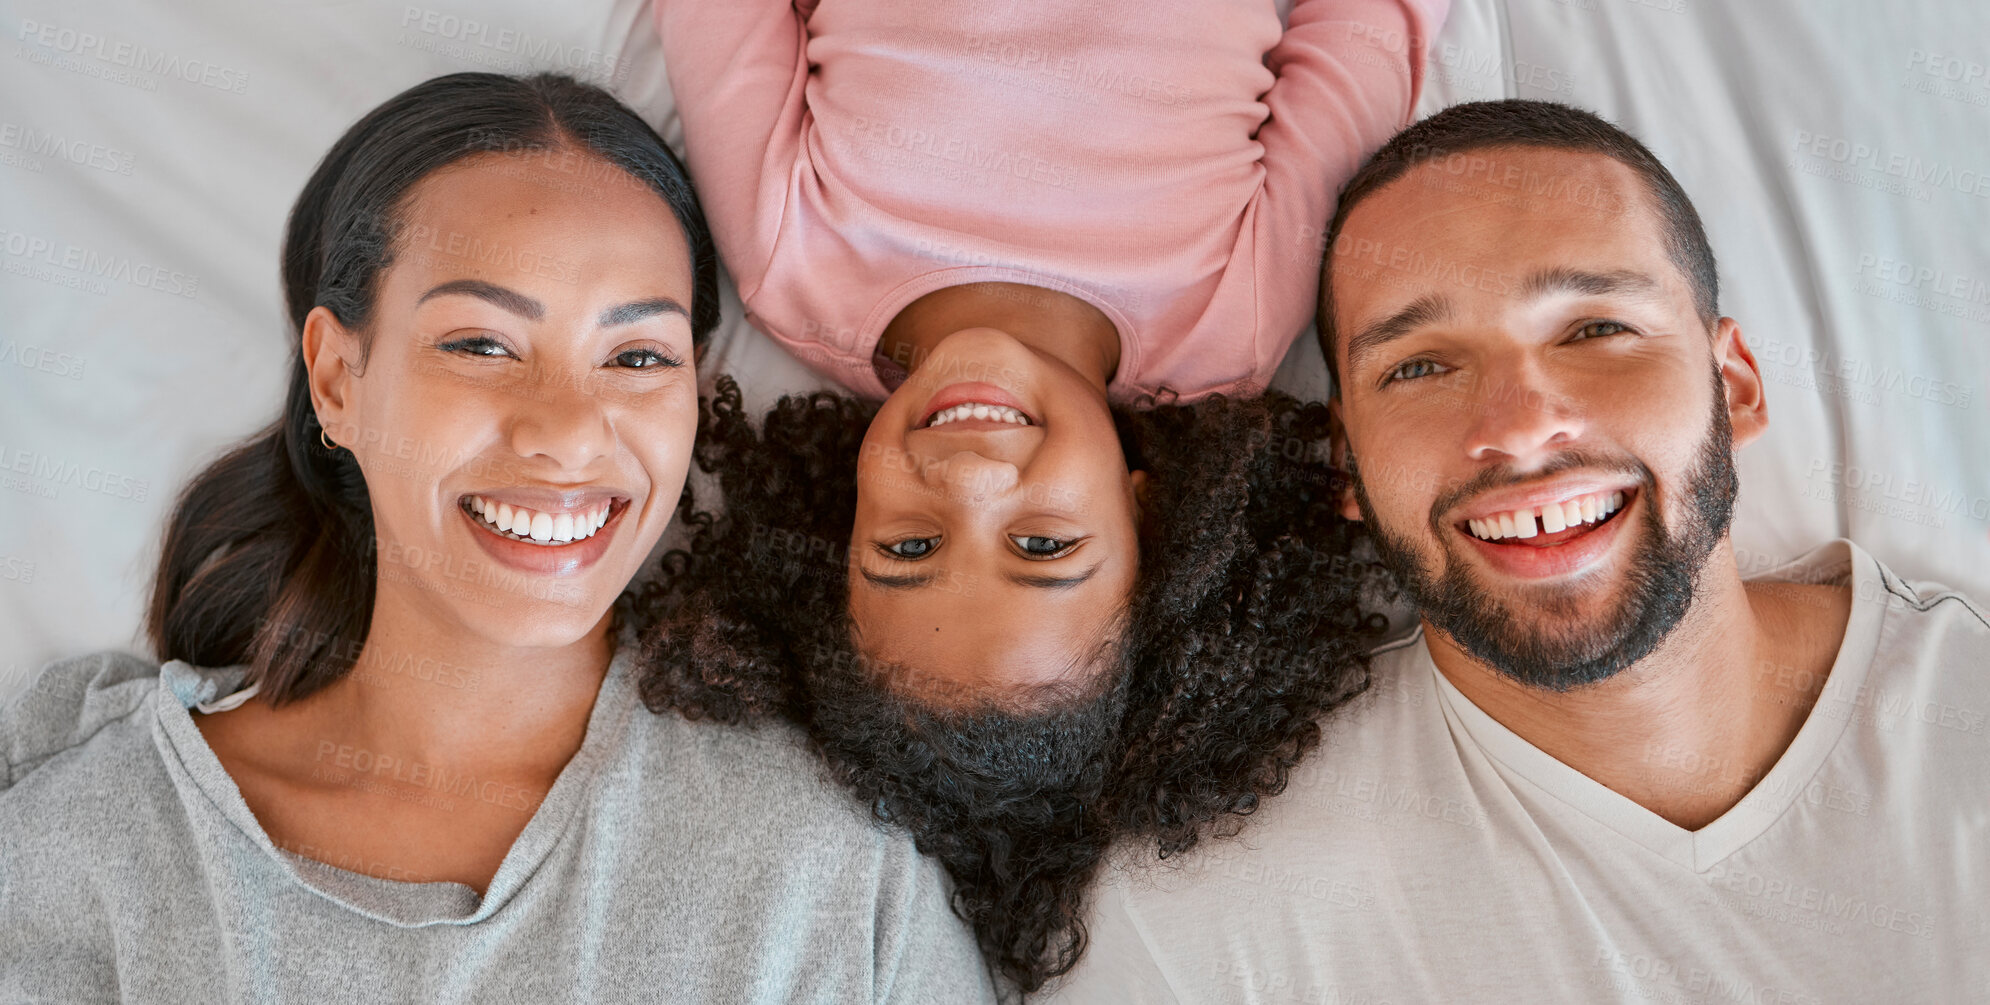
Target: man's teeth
(532, 525)
(1553, 517)
(976, 410)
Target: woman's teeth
(523, 524)
(1553, 517)
(976, 410)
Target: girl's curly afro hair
(1246, 624)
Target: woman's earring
(326, 440)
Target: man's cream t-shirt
(1424, 853)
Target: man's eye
(646, 359)
(477, 345)
(1042, 547)
(1598, 329)
(1415, 368)
(911, 549)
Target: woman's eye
(1041, 547)
(912, 548)
(1598, 329)
(645, 359)
(1415, 368)
(477, 345)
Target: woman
(393, 750)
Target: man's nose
(1520, 414)
(971, 476)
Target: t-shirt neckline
(404, 904)
(1772, 795)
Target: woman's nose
(565, 422)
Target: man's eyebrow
(1432, 308)
(1427, 309)
(1053, 582)
(884, 582)
(511, 300)
(1593, 284)
(631, 313)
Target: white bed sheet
(148, 153)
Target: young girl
(1005, 221)
(1017, 603)
(394, 751)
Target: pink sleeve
(737, 69)
(1349, 73)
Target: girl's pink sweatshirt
(1174, 163)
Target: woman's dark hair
(269, 553)
(1246, 624)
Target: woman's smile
(565, 535)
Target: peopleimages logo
(1908, 169)
(27, 140)
(81, 44)
(48, 361)
(54, 472)
(518, 47)
(116, 268)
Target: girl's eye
(477, 345)
(645, 359)
(1041, 547)
(1599, 329)
(1413, 369)
(911, 549)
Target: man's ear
(1747, 404)
(328, 348)
(1340, 454)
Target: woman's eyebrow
(632, 313)
(511, 300)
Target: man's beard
(1658, 590)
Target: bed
(1839, 153)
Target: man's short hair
(1480, 125)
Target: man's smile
(1551, 532)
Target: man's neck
(1050, 322)
(1690, 729)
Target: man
(1604, 768)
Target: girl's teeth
(1553, 517)
(545, 528)
(998, 413)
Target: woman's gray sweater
(672, 861)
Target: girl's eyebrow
(913, 582)
(885, 582)
(1054, 582)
